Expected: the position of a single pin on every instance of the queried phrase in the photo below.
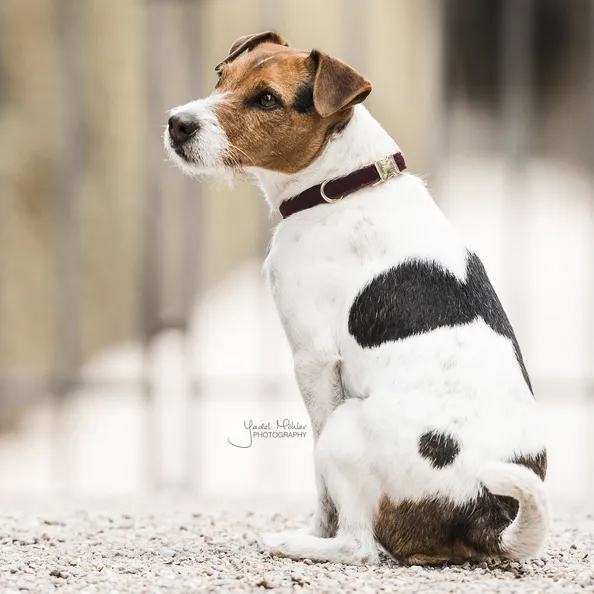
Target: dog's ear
(247, 42)
(336, 85)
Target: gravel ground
(85, 550)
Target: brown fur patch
(289, 137)
(432, 531)
(337, 85)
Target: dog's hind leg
(344, 466)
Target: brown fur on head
(314, 95)
(278, 106)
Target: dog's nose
(183, 126)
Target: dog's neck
(361, 142)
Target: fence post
(68, 271)
(517, 77)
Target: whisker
(242, 152)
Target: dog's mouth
(197, 157)
(183, 152)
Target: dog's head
(274, 107)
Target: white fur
(319, 260)
(368, 406)
(210, 145)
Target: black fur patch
(439, 448)
(420, 296)
(304, 99)
(536, 462)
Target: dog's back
(427, 351)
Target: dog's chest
(314, 271)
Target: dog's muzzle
(182, 127)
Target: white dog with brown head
(427, 437)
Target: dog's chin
(191, 163)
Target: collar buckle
(387, 168)
(327, 198)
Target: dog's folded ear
(247, 42)
(337, 86)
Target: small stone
(264, 582)
(165, 552)
(298, 580)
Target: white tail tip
(525, 537)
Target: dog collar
(333, 190)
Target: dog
(427, 439)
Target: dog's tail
(525, 536)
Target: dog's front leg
(325, 520)
(320, 384)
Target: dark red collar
(334, 190)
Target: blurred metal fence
(175, 34)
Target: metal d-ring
(326, 198)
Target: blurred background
(136, 333)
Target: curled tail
(525, 536)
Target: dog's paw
(275, 543)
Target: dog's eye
(267, 101)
